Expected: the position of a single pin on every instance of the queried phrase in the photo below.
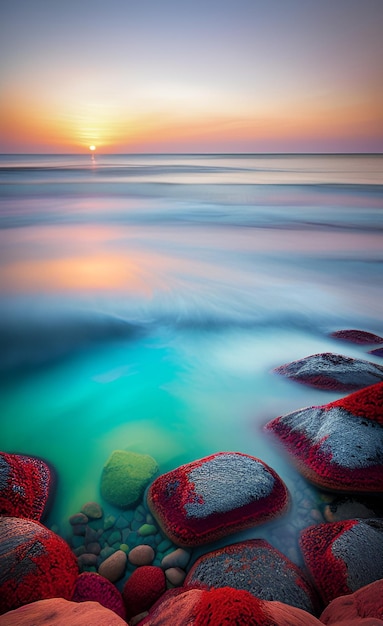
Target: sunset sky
(191, 76)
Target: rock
(87, 559)
(141, 555)
(36, 564)
(92, 510)
(94, 548)
(78, 518)
(125, 477)
(345, 507)
(364, 606)
(177, 558)
(332, 372)
(143, 588)
(96, 588)
(113, 568)
(376, 352)
(147, 529)
(343, 556)
(223, 606)
(254, 566)
(60, 612)
(26, 484)
(215, 496)
(357, 336)
(175, 576)
(338, 446)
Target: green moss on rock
(125, 476)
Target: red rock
(258, 568)
(60, 612)
(26, 484)
(343, 556)
(93, 587)
(363, 607)
(143, 588)
(207, 499)
(217, 607)
(36, 564)
(338, 446)
(357, 336)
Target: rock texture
(125, 477)
(60, 612)
(215, 496)
(338, 446)
(254, 566)
(144, 587)
(26, 484)
(343, 556)
(332, 372)
(35, 564)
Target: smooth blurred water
(146, 299)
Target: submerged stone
(361, 337)
(125, 477)
(215, 496)
(338, 446)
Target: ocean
(146, 299)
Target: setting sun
(92, 148)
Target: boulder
(125, 477)
(343, 556)
(257, 567)
(363, 607)
(60, 612)
(26, 484)
(338, 446)
(332, 372)
(223, 606)
(36, 564)
(207, 499)
(143, 588)
(95, 588)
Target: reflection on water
(144, 302)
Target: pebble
(147, 529)
(109, 521)
(113, 567)
(177, 559)
(94, 548)
(79, 529)
(114, 537)
(141, 555)
(175, 576)
(87, 559)
(93, 510)
(78, 518)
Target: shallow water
(146, 299)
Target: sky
(144, 76)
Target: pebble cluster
(116, 545)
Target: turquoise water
(145, 301)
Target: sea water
(146, 299)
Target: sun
(92, 148)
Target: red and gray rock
(343, 556)
(257, 567)
(332, 372)
(35, 564)
(338, 446)
(26, 485)
(215, 496)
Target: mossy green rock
(125, 476)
